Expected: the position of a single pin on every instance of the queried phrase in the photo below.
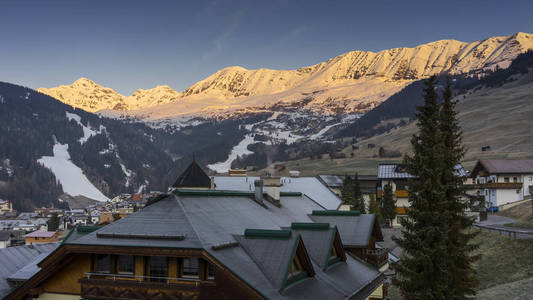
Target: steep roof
(312, 187)
(355, 231)
(503, 166)
(193, 176)
(14, 259)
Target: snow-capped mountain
(353, 82)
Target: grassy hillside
(504, 271)
(501, 117)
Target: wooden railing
(102, 286)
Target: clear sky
(130, 44)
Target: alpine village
(404, 173)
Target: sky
(127, 45)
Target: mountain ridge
(354, 81)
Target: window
(530, 178)
(515, 179)
(210, 271)
(126, 264)
(158, 268)
(190, 268)
(103, 263)
(506, 179)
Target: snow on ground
(69, 175)
(127, 172)
(322, 131)
(87, 132)
(239, 150)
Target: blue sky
(127, 45)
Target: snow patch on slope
(87, 132)
(239, 150)
(70, 176)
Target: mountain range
(353, 82)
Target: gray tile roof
(310, 186)
(354, 231)
(390, 171)
(206, 220)
(15, 259)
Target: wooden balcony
(376, 257)
(494, 185)
(402, 194)
(121, 287)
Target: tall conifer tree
(347, 191)
(359, 202)
(422, 272)
(388, 204)
(460, 247)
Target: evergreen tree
(388, 204)
(423, 271)
(53, 223)
(460, 247)
(347, 191)
(359, 202)
(373, 208)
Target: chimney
(272, 189)
(258, 197)
(213, 185)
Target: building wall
(52, 296)
(5, 244)
(504, 196)
(65, 281)
(41, 240)
(377, 294)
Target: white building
(502, 181)
(5, 238)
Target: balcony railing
(495, 185)
(105, 286)
(377, 257)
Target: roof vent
(224, 245)
(267, 234)
(310, 226)
(336, 213)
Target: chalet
(202, 243)
(502, 181)
(41, 237)
(398, 178)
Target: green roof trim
(310, 226)
(87, 229)
(192, 192)
(66, 238)
(336, 213)
(267, 234)
(290, 194)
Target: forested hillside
(115, 156)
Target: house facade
(502, 181)
(41, 237)
(398, 178)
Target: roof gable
(273, 252)
(320, 239)
(193, 176)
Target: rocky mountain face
(353, 82)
